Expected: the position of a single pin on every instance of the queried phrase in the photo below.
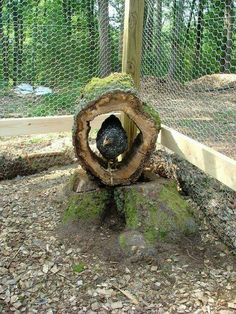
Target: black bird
(111, 139)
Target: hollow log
(115, 93)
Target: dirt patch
(213, 82)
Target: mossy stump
(115, 93)
(153, 208)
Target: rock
(42, 90)
(232, 305)
(24, 89)
(116, 305)
(95, 306)
(154, 268)
(79, 283)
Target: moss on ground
(78, 268)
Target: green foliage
(63, 102)
(78, 268)
(87, 206)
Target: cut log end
(146, 120)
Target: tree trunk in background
(189, 22)
(177, 38)
(104, 39)
(148, 26)
(228, 37)
(89, 13)
(18, 40)
(199, 36)
(5, 47)
(158, 33)
(67, 14)
(122, 16)
(34, 42)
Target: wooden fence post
(132, 49)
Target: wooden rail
(205, 158)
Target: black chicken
(111, 139)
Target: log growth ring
(130, 168)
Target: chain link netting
(189, 66)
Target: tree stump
(111, 94)
(152, 209)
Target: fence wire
(189, 66)
(50, 49)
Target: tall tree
(17, 15)
(5, 46)
(67, 13)
(177, 32)
(199, 35)
(227, 47)
(158, 31)
(104, 39)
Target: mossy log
(115, 93)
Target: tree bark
(18, 40)
(67, 13)
(228, 37)
(199, 36)
(177, 31)
(5, 47)
(158, 31)
(104, 39)
(91, 26)
(149, 26)
(189, 22)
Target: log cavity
(95, 125)
(115, 93)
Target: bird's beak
(106, 141)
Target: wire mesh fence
(49, 49)
(189, 66)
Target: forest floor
(50, 267)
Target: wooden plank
(132, 48)
(42, 125)
(39, 125)
(205, 158)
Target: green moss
(78, 268)
(122, 241)
(132, 199)
(98, 87)
(147, 108)
(113, 81)
(165, 213)
(170, 195)
(151, 234)
(86, 206)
